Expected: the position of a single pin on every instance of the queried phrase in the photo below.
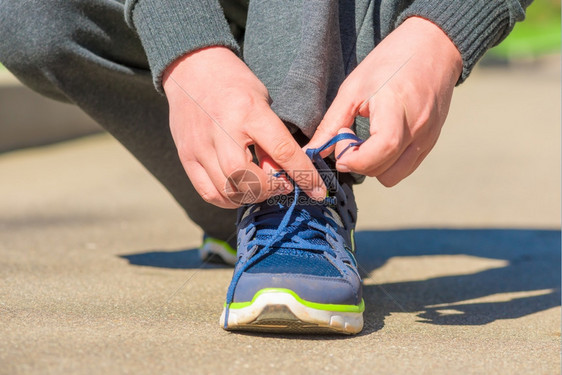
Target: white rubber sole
(211, 249)
(281, 312)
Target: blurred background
(537, 36)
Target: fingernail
(343, 168)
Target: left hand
(404, 86)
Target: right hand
(218, 108)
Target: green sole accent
(222, 243)
(313, 305)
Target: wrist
(197, 62)
(443, 51)
(171, 28)
(211, 74)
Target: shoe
(217, 251)
(296, 271)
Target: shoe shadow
(181, 259)
(526, 281)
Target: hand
(218, 108)
(404, 86)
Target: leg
(81, 51)
(303, 51)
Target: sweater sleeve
(169, 29)
(474, 26)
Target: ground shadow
(181, 259)
(532, 267)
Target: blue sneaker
(296, 271)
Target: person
(236, 104)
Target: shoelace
(304, 232)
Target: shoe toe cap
(318, 289)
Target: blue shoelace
(305, 232)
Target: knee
(32, 31)
(36, 40)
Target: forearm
(474, 26)
(168, 29)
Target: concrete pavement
(98, 272)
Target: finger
(343, 147)
(421, 158)
(247, 185)
(407, 163)
(389, 137)
(403, 167)
(243, 181)
(279, 144)
(340, 114)
(204, 186)
(278, 183)
(232, 184)
(217, 177)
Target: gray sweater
(171, 28)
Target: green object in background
(539, 34)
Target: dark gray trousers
(82, 52)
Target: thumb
(341, 114)
(344, 147)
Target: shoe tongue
(278, 206)
(274, 208)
